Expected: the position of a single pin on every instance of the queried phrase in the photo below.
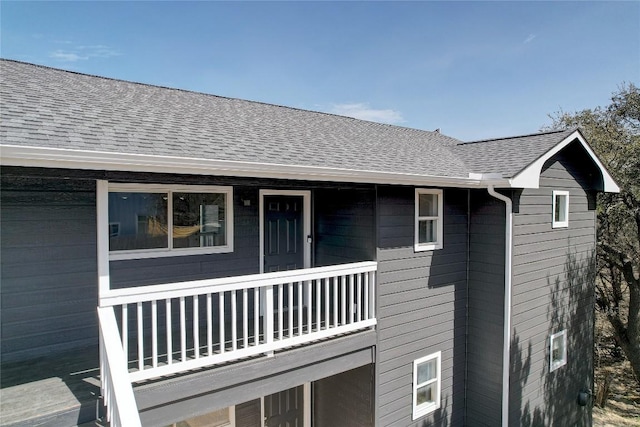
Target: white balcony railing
(116, 384)
(171, 328)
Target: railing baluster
(268, 314)
(256, 316)
(221, 316)
(290, 311)
(209, 325)
(335, 301)
(280, 309)
(154, 333)
(140, 339)
(350, 298)
(359, 298)
(234, 321)
(196, 327)
(372, 311)
(343, 305)
(318, 286)
(245, 318)
(300, 286)
(309, 307)
(169, 332)
(365, 299)
(125, 333)
(183, 331)
(327, 298)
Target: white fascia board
(11, 155)
(530, 176)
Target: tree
(614, 134)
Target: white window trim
(426, 408)
(438, 244)
(170, 189)
(562, 335)
(565, 223)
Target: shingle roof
(508, 156)
(51, 108)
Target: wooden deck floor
(61, 390)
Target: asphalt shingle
(51, 108)
(77, 111)
(508, 156)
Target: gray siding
(345, 400)
(421, 307)
(552, 291)
(486, 310)
(48, 269)
(344, 226)
(249, 414)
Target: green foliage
(614, 134)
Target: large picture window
(426, 385)
(154, 220)
(428, 219)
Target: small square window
(426, 385)
(560, 209)
(428, 217)
(557, 350)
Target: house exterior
(246, 264)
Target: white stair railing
(117, 391)
(171, 328)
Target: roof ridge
(113, 79)
(519, 136)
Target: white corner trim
(530, 176)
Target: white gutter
(506, 345)
(12, 155)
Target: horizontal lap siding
(486, 310)
(550, 294)
(421, 307)
(48, 273)
(344, 226)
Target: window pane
(426, 394)
(137, 221)
(426, 371)
(557, 349)
(199, 220)
(428, 205)
(427, 231)
(561, 211)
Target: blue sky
(473, 69)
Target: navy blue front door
(283, 233)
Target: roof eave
(529, 177)
(28, 156)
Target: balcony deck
(51, 391)
(154, 333)
(64, 390)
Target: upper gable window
(560, 209)
(428, 219)
(156, 221)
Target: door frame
(306, 221)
